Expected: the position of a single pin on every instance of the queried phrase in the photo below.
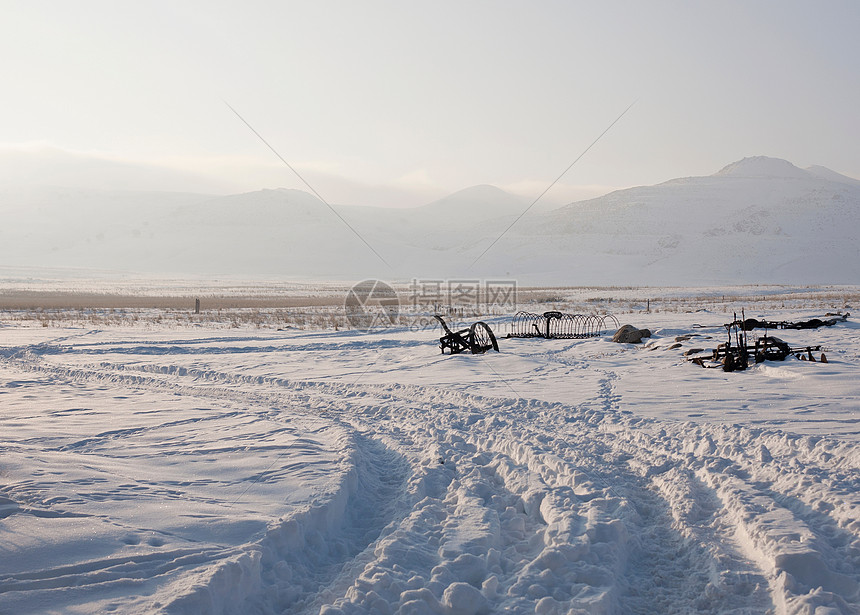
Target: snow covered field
(199, 470)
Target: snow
(759, 220)
(194, 470)
(763, 166)
(474, 204)
(832, 175)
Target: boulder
(628, 334)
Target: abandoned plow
(737, 353)
(751, 323)
(477, 339)
(556, 325)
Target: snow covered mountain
(758, 220)
(476, 203)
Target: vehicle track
(634, 515)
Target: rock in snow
(628, 334)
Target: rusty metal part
(556, 325)
(477, 339)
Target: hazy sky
(396, 103)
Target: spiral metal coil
(557, 325)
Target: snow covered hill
(758, 220)
(474, 204)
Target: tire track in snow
(592, 597)
(680, 525)
(125, 570)
(469, 541)
(299, 556)
(800, 567)
(721, 472)
(524, 559)
(780, 541)
(729, 580)
(583, 542)
(609, 441)
(304, 554)
(819, 572)
(658, 570)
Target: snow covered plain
(199, 470)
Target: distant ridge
(482, 201)
(826, 173)
(757, 220)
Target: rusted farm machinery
(477, 339)
(751, 323)
(556, 325)
(737, 352)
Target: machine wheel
(482, 338)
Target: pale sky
(397, 103)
